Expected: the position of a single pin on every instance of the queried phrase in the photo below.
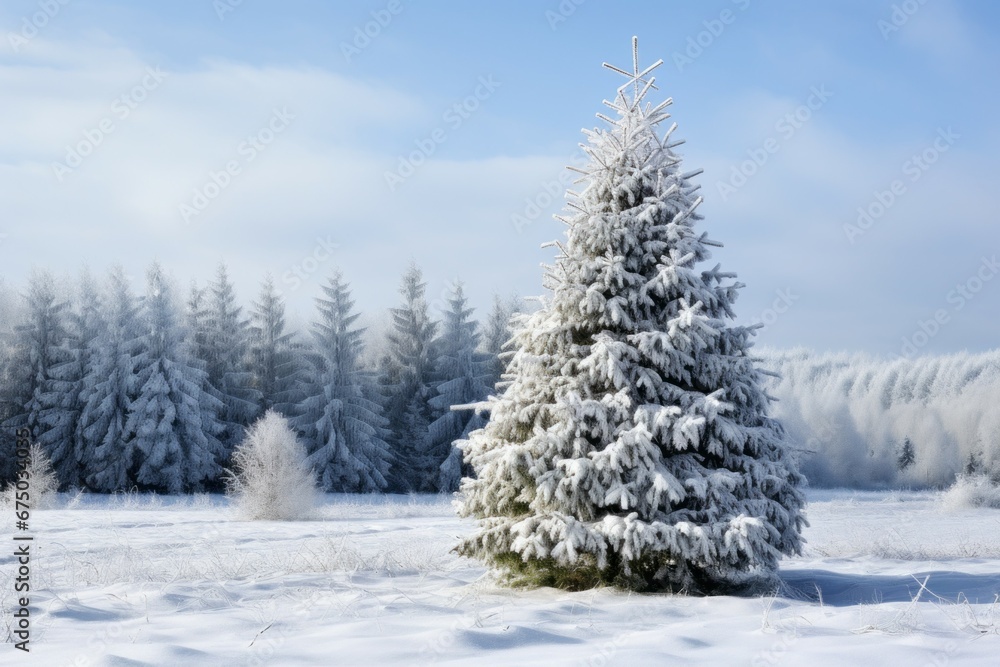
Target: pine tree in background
(9, 406)
(172, 422)
(11, 397)
(32, 349)
(63, 438)
(109, 387)
(40, 348)
(196, 316)
(10, 309)
(225, 350)
(406, 373)
(463, 377)
(633, 446)
(496, 332)
(906, 456)
(409, 443)
(275, 366)
(345, 429)
(973, 464)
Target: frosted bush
(972, 491)
(42, 482)
(270, 479)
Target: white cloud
(322, 180)
(940, 29)
(785, 229)
(317, 179)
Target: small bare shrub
(972, 491)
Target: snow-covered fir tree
(496, 332)
(63, 438)
(222, 341)
(462, 377)
(344, 430)
(406, 375)
(633, 446)
(40, 349)
(196, 316)
(10, 405)
(33, 346)
(172, 424)
(275, 358)
(109, 387)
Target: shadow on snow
(844, 590)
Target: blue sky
(198, 80)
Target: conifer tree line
(153, 391)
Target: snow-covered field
(895, 577)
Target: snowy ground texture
(897, 577)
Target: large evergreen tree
(10, 405)
(63, 439)
(407, 371)
(34, 348)
(196, 318)
(109, 387)
(172, 422)
(11, 396)
(344, 429)
(633, 445)
(275, 357)
(462, 377)
(40, 348)
(222, 341)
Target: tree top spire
(635, 77)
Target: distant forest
(153, 391)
